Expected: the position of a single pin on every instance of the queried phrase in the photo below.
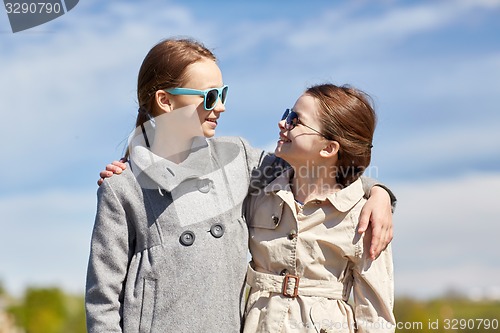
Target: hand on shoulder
(116, 167)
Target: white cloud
(344, 32)
(248, 36)
(445, 231)
(462, 78)
(45, 238)
(474, 281)
(454, 148)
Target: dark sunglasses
(291, 119)
(210, 96)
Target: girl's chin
(209, 134)
(279, 148)
(208, 131)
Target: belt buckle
(295, 288)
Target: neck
(313, 181)
(167, 145)
(174, 134)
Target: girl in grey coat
(169, 246)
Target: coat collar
(348, 197)
(152, 170)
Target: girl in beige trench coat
(307, 255)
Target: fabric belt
(292, 285)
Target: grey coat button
(187, 238)
(292, 234)
(275, 219)
(217, 230)
(204, 185)
(284, 272)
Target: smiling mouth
(284, 139)
(212, 120)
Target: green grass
(447, 315)
(50, 310)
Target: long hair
(347, 116)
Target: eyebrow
(299, 114)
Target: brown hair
(165, 67)
(347, 116)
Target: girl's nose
(219, 107)
(281, 124)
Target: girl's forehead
(203, 74)
(306, 106)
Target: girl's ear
(162, 99)
(330, 150)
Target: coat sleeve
(263, 167)
(368, 184)
(253, 155)
(107, 268)
(373, 291)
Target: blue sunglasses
(210, 96)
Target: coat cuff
(368, 184)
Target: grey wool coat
(169, 245)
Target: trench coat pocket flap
(266, 212)
(266, 218)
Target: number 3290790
(32, 8)
(472, 324)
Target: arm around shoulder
(370, 184)
(377, 212)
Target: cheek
(183, 101)
(202, 113)
(305, 147)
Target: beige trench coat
(314, 252)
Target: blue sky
(433, 68)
